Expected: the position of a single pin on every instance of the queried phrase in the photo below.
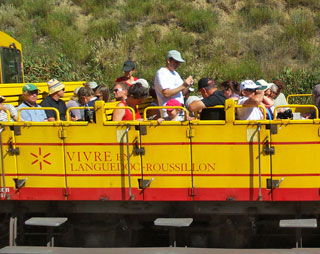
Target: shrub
(135, 10)
(299, 81)
(197, 21)
(106, 28)
(40, 8)
(257, 16)
(308, 3)
(301, 25)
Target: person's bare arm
(196, 106)
(254, 100)
(51, 119)
(118, 113)
(267, 101)
(171, 92)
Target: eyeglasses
(117, 89)
(33, 92)
(250, 90)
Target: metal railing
(164, 107)
(39, 108)
(296, 106)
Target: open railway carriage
(215, 172)
(112, 180)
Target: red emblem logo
(41, 158)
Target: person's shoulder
(22, 105)
(45, 100)
(218, 93)
(121, 104)
(119, 79)
(62, 102)
(162, 70)
(242, 100)
(9, 106)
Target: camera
(287, 114)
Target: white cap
(192, 99)
(264, 83)
(249, 84)
(143, 82)
(92, 84)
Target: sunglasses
(33, 92)
(250, 90)
(117, 89)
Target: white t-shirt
(248, 113)
(4, 115)
(166, 79)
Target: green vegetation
(223, 39)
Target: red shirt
(124, 79)
(128, 113)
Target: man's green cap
(29, 88)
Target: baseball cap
(204, 82)
(176, 55)
(172, 102)
(264, 83)
(250, 84)
(128, 66)
(29, 88)
(93, 85)
(143, 82)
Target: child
(173, 113)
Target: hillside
(230, 39)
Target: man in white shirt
(252, 96)
(168, 83)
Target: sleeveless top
(128, 112)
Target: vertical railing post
(259, 151)
(128, 161)
(2, 167)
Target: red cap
(173, 102)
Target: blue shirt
(32, 115)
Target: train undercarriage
(131, 224)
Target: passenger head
(248, 88)
(93, 85)
(128, 68)
(229, 88)
(143, 82)
(274, 91)
(173, 59)
(30, 93)
(173, 112)
(120, 91)
(206, 87)
(85, 94)
(103, 93)
(137, 92)
(56, 88)
(281, 86)
(316, 94)
(267, 86)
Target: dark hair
(104, 91)
(85, 91)
(233, 85)
(137, 91)
(280, 84)
(152, 92)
